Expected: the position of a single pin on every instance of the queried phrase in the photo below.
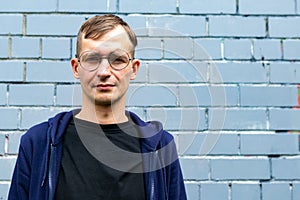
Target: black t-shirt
(91, 169)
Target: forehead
(114, 39)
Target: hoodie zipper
(50, 172)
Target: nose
(104, 68)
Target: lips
(105, 86)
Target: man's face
(105, 86)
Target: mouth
(105, 86)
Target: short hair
(97, 26)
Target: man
(101, 151)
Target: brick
(245, 191)
(137, 23)
(68, 95)
(33, 116)
(31, 94)
(208, 95)
(285, 168)
(14, 142)
(56, 48)
(7, 166)
(280, 7)
(87, 6)
(3, 90)
(152, 95)
(271, 191)
(3, 47)
(291, 49)
(177, 26)
(178, 118)
(207, 49)
(192, 191)
(11, 23)
(268, 95)
(237, 119)
(36, 24)
(149, 48)
(148, 6)
(284, 73)
(240, 168)
(269, 144)
(278, 26)
(11, 119)
(2, 144)
(32, 49)
(195, 169)
(47, 71)
(284, 119)
(178, 72)
(11, 71)
(267, 49)
(214, 191)
(73, 46)
(237, 49)
(208, 144)
(298, 6)
(238, 73)
(31, 6)
(295, 190)
(4, 188)
(178, 48)
(207, 6)
(236, 26)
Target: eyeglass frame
(129, 60)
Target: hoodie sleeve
(19, 188)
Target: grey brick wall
(222, 76)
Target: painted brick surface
(9, 118)
(284, 73)
(268, 96)
(267, 49)
(4, 47)
(214, 191)
(279, 25)
(7, 165)
(56, 48)
(151, 6)
(34, 94)
(291, 49)
(177, 26)
(195, 169)
(279, 7)
(209, 144)
(207, 6)
(221, 76)
(3, 91)
(245, 191)
(269, 144)
(284, 119)
(11, 71)
(240, 168)
(11, 23)
(237, 49)
(36, 24)
(237, 26)
(25, 47)
(49, 71)
(276, 191)
(279, 166)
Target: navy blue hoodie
(37, 168)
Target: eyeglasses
(91, 60)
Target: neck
(103, 114)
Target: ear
(74, 64)
(135, 68)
